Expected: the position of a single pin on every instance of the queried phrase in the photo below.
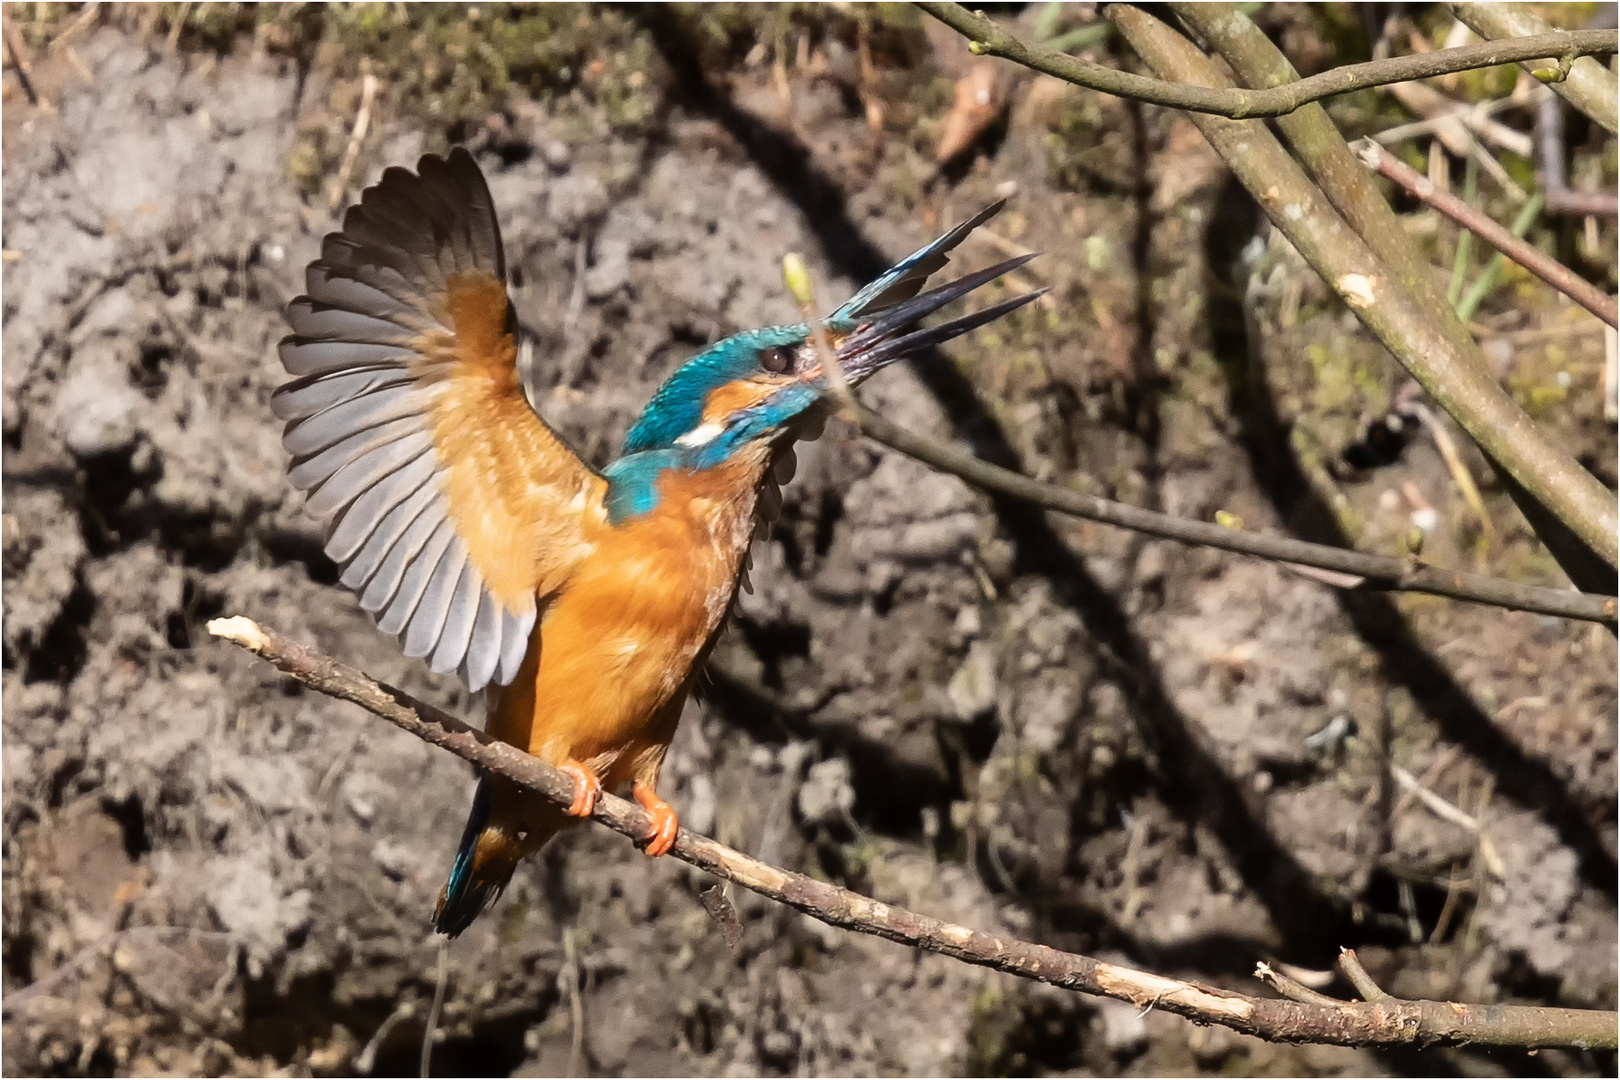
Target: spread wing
(451, 506)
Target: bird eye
(777, 360)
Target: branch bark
(1362, 280)
(1378, 572)
(1316, 141)
(1524, 253)
(987, 38)
(1387, 1022)
(1588, 85)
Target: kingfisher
(585, 600)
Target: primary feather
(449, 503)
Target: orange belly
(615, 652)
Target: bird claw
(587, 788)
(664, 823)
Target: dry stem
(1585, 84)
(1449, 373)
(1527, 255)
(1379, 573)
(1388, 1022)
(987, 38)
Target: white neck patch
(702, 435)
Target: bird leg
(664, 824)
(587, 788)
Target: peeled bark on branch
(1389, 1021)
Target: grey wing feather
(383, 584)
(414, 582)
(397, 450)
(359, 409)
(366, 518)
(515, 630)
(305, 397)
(433, 608)
(484, 646)
(460, 615)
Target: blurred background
(1167, 757)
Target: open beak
(879, 341)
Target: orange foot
(587, 787)
(664, 825)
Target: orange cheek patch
(733, 397)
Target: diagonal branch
(1585, 84)
(987, 38)
(1322, 150)
(1388, 1022)
(1521, 251)
(1462, 387)
(1378, 571)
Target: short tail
(484, 864)
(489, 853)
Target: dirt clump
(1165, 757)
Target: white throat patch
(701, 435)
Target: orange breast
(621, 640)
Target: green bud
(1228, 520)
(796, 276)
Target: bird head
(755, 388)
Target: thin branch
(1393, 1022)
(17, 49)
(1451, 375)
(1332, 566)
(351, 153)
(1561, 198)
(1527, 255)
(1585, 84)
(1363, 982)
(1485, 283)
(1379, 572)
(987, 38)
(1325, 155)
(1291, 988)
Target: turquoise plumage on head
(751, 387)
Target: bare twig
(1477, 118)
(18, 51)
(1561, 198)
(571, 974)
(1348, 1024)
(1379, 572)
(1363, 982)
(1527, 255)
(1333, 566)
(1326, 156)
(351, 154)
(1440, 807)
(797, 278)
(1451, 375)
(431, 1030)
(1460, 476)
(1485, 283)
(987, 38)
(1584, 83)
(368, 1056)
(1292, 988)
(87, 16)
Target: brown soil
(1167, 757)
